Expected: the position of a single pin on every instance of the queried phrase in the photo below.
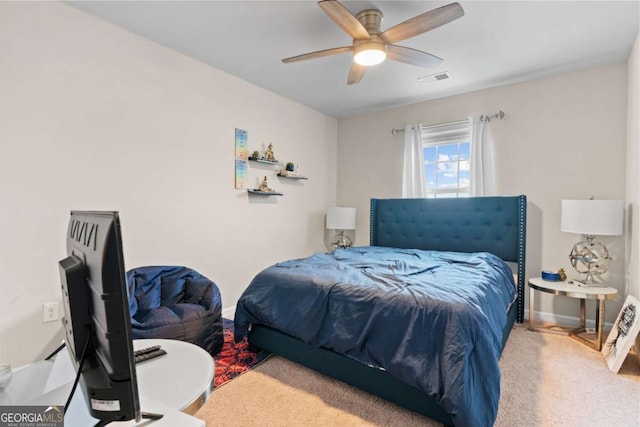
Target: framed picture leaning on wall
(623, 334)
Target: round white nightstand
(573, 290)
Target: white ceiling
(494, 43)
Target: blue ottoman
(175, 303)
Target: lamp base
(590, 258)
(342, 241)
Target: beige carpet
(547, 380)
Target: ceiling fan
(371, 46)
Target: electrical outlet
(50, 311)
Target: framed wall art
(241, 173)
(241, 144)
(623, 334)
(242, 154)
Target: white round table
(573, 289)
(181, 379)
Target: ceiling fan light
(370, 54)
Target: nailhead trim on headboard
(522, 242)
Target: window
(446, 151)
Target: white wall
(93, 117)
(633, 163)
(563, 137)
(633, 176)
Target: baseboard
(561, 319)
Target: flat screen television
(96, 316)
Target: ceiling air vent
(433, 78)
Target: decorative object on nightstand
(591, 218)
(550, 276)
(554, 276)
(341, 219)
(562, 276)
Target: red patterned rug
(234, 358)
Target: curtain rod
(485, 118)
(499, 115)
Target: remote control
(146, 350)
(150, 355)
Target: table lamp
(591, 218)
(341, 219)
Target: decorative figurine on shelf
(290, 170)
(264, 187)
(269, 154)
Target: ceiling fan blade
(355, 73)
(412, 56)
(318, 54)
(423, 23)
(344, 19)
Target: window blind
(446, 133)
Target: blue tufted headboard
(470, 224)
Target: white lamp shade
(595, 217)
(341, 218)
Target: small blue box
(550, 276)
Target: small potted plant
(290, 166)
(255, 155)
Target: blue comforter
(431, 319)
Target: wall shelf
(266, 162)
(293, 176)
(264, 193)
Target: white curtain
(482, 170)
(413, 183)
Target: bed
(419, 317)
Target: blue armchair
(175, 303)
